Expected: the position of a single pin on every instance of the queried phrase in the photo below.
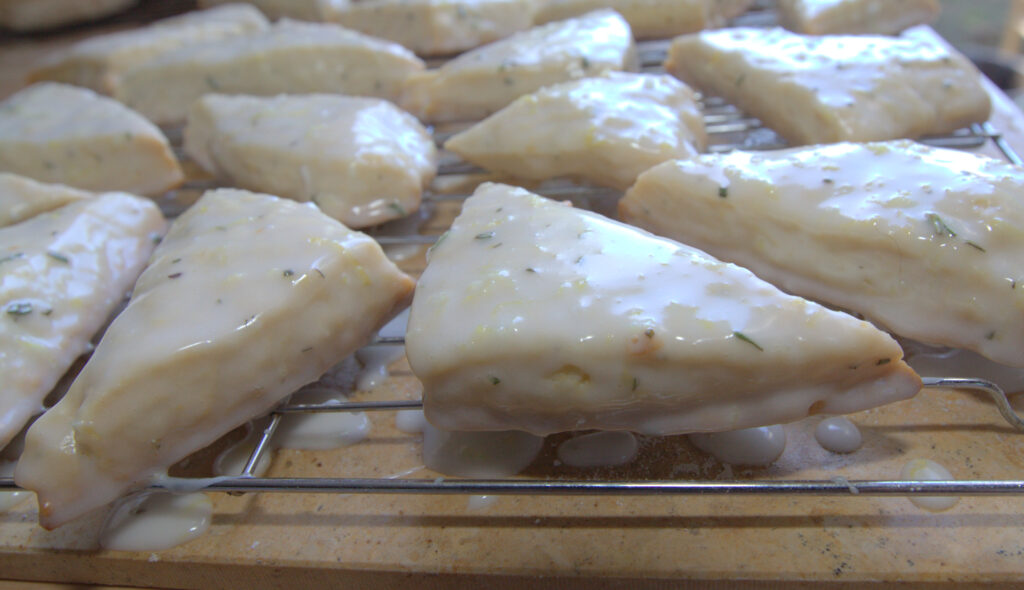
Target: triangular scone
(363, 161)
(925, 241)
(70, 135)
(291, 57)
(486, 79)
(98, 62)
(436, 27)
(247, 298)
(63, 274)
(532, 315)
(652, 19)
(22, 198)
(311, 10)
(834, 88)
(606, 129)
(831, 17)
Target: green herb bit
(723, 191)
(10, 257)
(649, 332)
(19, 308)
(439, 240)
(585, 62)
(635, 383)
(827, 180)
(48, 312)
(174, 275)
(156, 238)
(484, 236)
(307, 349)
(495, 380)
(748, 340)
(975, 246)
(288, 272)
(740, 79)
(940, 226)
(58, 257)
(883, 362)
(398, 209)
(531, 270)
(176, 261)
(320, 272)
(991, 335)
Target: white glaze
(9, 500)
(290, 57)
(482, 81)
(361, 160)
(606, 129)
(317, 431)
(829, 17)
(64, 272)
(232, 460)
(98, 62)
(481, 502)
(247, 298)
(835, 88)
(537, 316)
(375, 361)
(479, 454)
(411, 421)
(838, 434)
(749, 446)
(69, 135)
(928, 470)
(598, 449)
(862, 227)
(651, 20)
(22, 198)
(157, 521)
(436, 27)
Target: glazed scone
(361, 160)
(38, 15)
(831, 17)
(652, 19)
(311, 10)
(606, 129)
(22, 198)
(834, 88)
(924, 241)
(484, 80)
(64, 273)
(437, 27)
(291, 57)
(247, 298)
(99, 62)
(70, 135)
(532, 315)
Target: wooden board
(301, 540)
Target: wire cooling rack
(728, 129)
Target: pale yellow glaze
(246, 299)
(22, 198)
(60, 133)
(924, 241)
(606, 129)
(98, 62)
(652, 19)
(482, 81)
(835, 88)
(437, 27)
(537, 316)
(829, 17)
(361, 160)
(291, 57)
(62, 274)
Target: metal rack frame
(721, 119)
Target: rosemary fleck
(174, 275)
(398, 209)
(288, 272)
(495, 380)
(940, 226)
(10, 257)
(975, 246)
(19, 308)
(883, 362)
(748, 340)
(58, 256)
(723, 191)
(635, 383)
(484, 236)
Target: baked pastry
(291, 57)
(39, 15)
(311, 10)
(99, 62)
(436, 27)
(831, 17)
(606, 129)
(64, 273)
(247, 298)
(486, 79)
(924, 241)
(834, 88)
(532, 315)
(652, 19)
(22, 198)
(361, 160)
(70, 135)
